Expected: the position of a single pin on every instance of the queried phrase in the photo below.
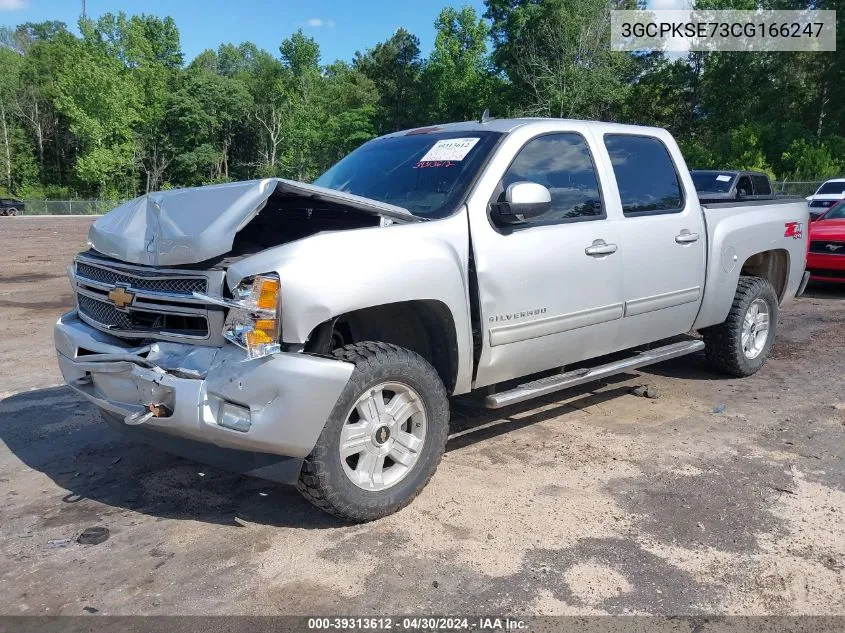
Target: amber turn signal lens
(264, 331)
(268, 293)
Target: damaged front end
(179, 352)
(212, 404)
(189, 226)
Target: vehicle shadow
(824, 290)
(57, 433)
(472, 423)
(690, 367)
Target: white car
(826, 196)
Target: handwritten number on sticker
(433, 163)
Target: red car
(826, 257)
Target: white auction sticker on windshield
(723, 178)
(450, 149)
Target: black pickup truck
(723, 186)
(10, 206)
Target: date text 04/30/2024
(484, 623)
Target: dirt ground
(592, 501)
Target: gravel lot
(595, 501)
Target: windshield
(712, 181)
(832, 188)
(836, 212)
(425, 173)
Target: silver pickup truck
(313, 333)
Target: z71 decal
(795, 230)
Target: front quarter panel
(330, 274)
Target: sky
(340, 27)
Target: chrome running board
(550, 384)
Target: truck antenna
(485, 116)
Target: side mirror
(523, 201)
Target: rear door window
(761, 186)
(645, 175)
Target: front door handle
(685, 237)
(599, 248)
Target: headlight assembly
(253, 319)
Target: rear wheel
(740, 345)
(384, 437)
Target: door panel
(665, 239)
(544, 301)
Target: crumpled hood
(187, 226)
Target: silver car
(314, 333)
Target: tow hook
(155, 411)
(160, 411)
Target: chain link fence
(802, 188)
(68, 207)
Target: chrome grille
(822, 204)
(828, 247)
(151, 303)
(178, 285)
(103, 312)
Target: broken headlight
(253, 319)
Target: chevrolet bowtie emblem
(120, 298)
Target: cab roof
(505, 126)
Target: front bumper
(288, 396)
(824, 267)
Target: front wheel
(384, 437)
(740, 345)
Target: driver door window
(562, 163)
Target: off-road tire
(323, 481)
(724, 341)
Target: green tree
(349, 99)
(457, 78)
(10, 63)
(395, 67)
(101, 103)
(204, 116)
(557, 55)
(299, 88)
(116, 110)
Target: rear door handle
(685, 237)
(599, 248)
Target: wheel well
(424, 326)
(771, 265)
